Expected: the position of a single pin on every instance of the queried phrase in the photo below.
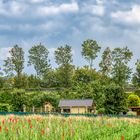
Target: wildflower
(122, 138)
(0, 128)
(3, 122)
(6, 129)
(10, 119)
(31, 126)
(42, 132)
(29, 121)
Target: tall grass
(37, 127)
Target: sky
(54, 23)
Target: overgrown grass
(37, 127)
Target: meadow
(36, 127)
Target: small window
(66, 110)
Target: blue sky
(113, 23)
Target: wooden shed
(136, 109)
(76, 106)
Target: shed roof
(82, 102)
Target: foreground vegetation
(71, 128)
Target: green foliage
(63, 55)
(51, 80)
(85, 75)
(5, 97)
(106, 62)
(136, 75)
(101, 111)
(133, 100)
(22, 82)
(15, 63)
(38, 57)
(2, 82)
(64, 75)
(18, 99)
(120, 70)
(137, 92)
(33, 81)
(5, 107)
(98, 93)
(90, 48)
(115, 99)
(105, 87)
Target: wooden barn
(76, 106)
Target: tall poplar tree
(120, 70)
(38, 57)
(106, 62)
(63, 57)
(15, 63)
(90, 48)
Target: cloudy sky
(113, 23)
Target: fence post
(24, 108)
(41, 110)
(33, 109)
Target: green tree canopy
(63, 57)
(38, 57)
(106, 62)
(15, 63)
(120, 69)
(90, 48)
(115, 99)
(136, 75)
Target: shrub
(101, 111)
(5, 107)
(133, 100)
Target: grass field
(37, 127)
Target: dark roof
(134, 107)
(82, 102)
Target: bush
(133, 100)
(101, 111)
(5, 108)
(116, 100)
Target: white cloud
(36, 1)
(4, 53)
(13, 8)
(132, 16)
(95, 9)
(100, 1)
(55, 10)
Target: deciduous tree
(120, 70)
(136, 75)
(38, 57)
(90, 48)
(63, 57)
(15, 63)
(106, 62)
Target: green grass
(70, 128)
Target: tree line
(105, 86)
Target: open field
(37, 127)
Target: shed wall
(75, 110)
